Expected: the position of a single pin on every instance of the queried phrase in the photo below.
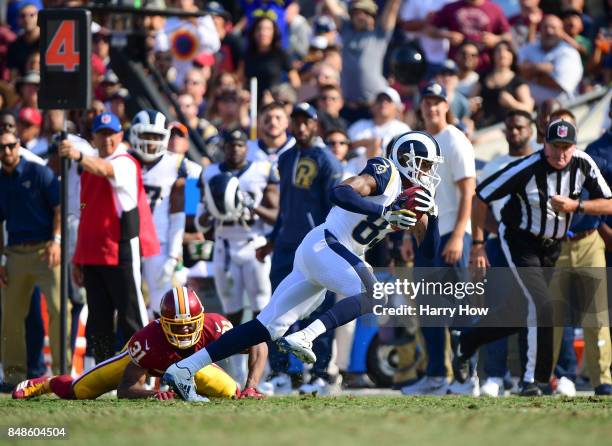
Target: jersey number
(153, 194)
(136, 351)
(60, 51)
(368, 230)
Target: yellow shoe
(31, 387)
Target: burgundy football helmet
(182, 317)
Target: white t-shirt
(458, 163)
(124, 182)
(466, 86)
(567, 69)
(435, 49)
(29, 156)
(366, 129)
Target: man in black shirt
(27, 42)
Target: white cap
(393, 95)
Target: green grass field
(377, 421)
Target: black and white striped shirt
(531, 181)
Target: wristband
(580, 206)
(478, 242)
(57, 238)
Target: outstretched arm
(258, 355)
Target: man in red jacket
(115, 231)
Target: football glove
(425, 199)
(400, 218)
(251, 392)
(167, 271)
(164, 395)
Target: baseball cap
(449, 67)
(392, 94)
(304, 108)
(106, 121)
(204, 59)
(110, 77)
(216, 9)
(561, 131)
(30, 115)
(434, 89)
(235, 136)
(324, 24)
(368, 6)
(31, 77)
(318, 42)
(179, 128)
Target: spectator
(329, 104)
(481, 21)
(265, 58)
(116, 105)
(274, 139)
(275, 11)
(454, 199)
(207, 131)
(374, 134)
(7, 37)
(365, 41)
(115, 230)
(230, 53)
(29, 204)
(326, 27)
(28, 40)
(338, 142)
(573, 27)
(179, 144)
(29, 124)
(552, 68)
(503, 89)
(52, 123)
(195, 85)
(108, 86)
(204, 63)
(542, 119)
(229, 110)
(414, 18)
(524, 25)
(101, 42)
(448, 77)
(186, 38)
(27, 88)
(284, 94)
(466, 58)
(299, 32)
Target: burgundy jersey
(150, 349)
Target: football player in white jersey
(163, 176)
(367, 207)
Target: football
(409, 195)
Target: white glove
(427, 205)
(167, 271)
(248, 201)
(400, 218)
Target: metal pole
(65, 165)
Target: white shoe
(469, 388)
(276, 385)
(429, 385)
(181, 381)
(319, 387)
(492, 387)
(565, 387)
(299, 345)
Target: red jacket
(100, 229)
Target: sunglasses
(330, 142)
(9, 145)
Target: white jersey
(253, 180)
(256, 150)
(358, 232)
(158, 179)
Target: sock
(314, 330)
(234, 341)
(341, 313)
(61, 385)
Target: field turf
(294, 421)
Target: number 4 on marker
(61, 49)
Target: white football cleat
(181, 381)
(279, 384)
(429, 385)
(492, 387)
(469, 388)
(299, 345)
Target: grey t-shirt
(362, 66)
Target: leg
(35, 337)
(99, 330)
(212, 381)
(103, 378)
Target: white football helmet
(145, 125)
(417, 156)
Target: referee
(543, 191)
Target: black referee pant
(110, 289)
(531, 260)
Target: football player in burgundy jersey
(182, 330)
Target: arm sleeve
(431, 242)
(344, 196)
(380, 169)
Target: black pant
(532, 259)
(111, 288)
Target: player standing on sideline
(182, 329)
(273, 140)
(239, 227)
(163, 177)
(367, 207)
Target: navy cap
(235, 136)
(434, 89)
(106, 121)
(561, 131)
(216, 9)
(448, 67)
(324, 24)
(304, 108)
